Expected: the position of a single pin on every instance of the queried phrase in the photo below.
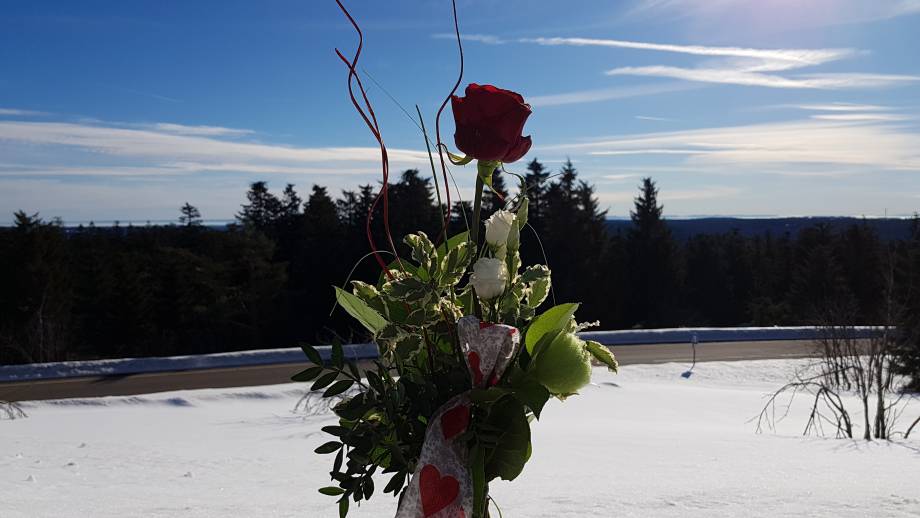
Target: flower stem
(474, 234)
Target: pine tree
(190, 216)
(819, 289)
(574, 238)
(290, 202)
(654, 271)
(36, 296)
(535, 182)
(907, 293)
(262, 210)
(412, 207)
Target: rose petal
(514, 154)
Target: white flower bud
(489, 277)
(498, 226)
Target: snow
(646, 442)
(124, 366)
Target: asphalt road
(273, 374)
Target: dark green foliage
(97, 292)
(653, 267)
(907, 298)
(190, 216)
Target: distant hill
(683, 229)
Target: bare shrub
(846, 365)
(11, 410)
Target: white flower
(489, 277)
(498, 226)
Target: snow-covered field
(646, 442)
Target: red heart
(473, 359)
(455, 421)
(437, 492)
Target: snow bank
(645, 442)
(127, 366)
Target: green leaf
(343, 507)
(454, 265)
(331, 491)
(328, 447)
(602, 354)
(522, 212)
(423, 252)
(369, 294)
(535, 272)
(338, 431)
(337, 464)
(510, 454)
(338, 387)
(408, 289)
(532, 393)
(485, 169)
(398, 265)
(539, 290)
(312, 354)
(324, 380)
(553, 319)
(396, 483)
(457, 159)
(368, 487)
(353, 368)
(308, 374)
(352, 409)
(454, 242)
(338, 355)
(357, 308)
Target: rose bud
(489, 277)
(498, 226)
(564, 365)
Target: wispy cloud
(605, 94)
(818, 145)
(671, 195)
(650, 118)
(14, 112)
(209, 131)
(168, 145)
(838, 107)
(488, 39)
(747, 78)
(752, 13)
(152, 95)
(78, 169)
(800, 56)
(619, 177)
(862, 117)
(650, 151)
(734, 65)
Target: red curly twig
(373, 125)
(437, 122)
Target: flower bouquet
(467, 357)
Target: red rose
(489, 123)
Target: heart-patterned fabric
(441, 485)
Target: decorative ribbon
(441, 486)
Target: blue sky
(126, 110)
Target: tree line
(265, 281)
